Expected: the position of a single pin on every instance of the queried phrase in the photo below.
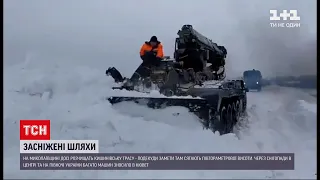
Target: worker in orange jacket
(151, 52)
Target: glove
(148, 53)
(159, 58)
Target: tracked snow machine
(195, 79)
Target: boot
(115, 74)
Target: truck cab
(252, 79)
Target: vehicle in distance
(252, 79)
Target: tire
(241, 106)
(234, 114)
(238, 112)
(229, 122)
(225, 126)
(213, 123)
(222, 119)
(244, 106)
(205, 117)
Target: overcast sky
(102, 33)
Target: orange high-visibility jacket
(146, 47)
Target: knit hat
(154, 39)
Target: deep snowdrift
(73, 98)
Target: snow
(210, 84)
(151, 94)
(280, 121)
(73, 98)
(308, 106)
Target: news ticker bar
(157, 161)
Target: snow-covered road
(73, 98)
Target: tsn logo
(34, 129)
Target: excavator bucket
(193, 104)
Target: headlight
(257, 82)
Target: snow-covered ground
(73, 98)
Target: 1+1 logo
(34, 129)
(292, 15)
